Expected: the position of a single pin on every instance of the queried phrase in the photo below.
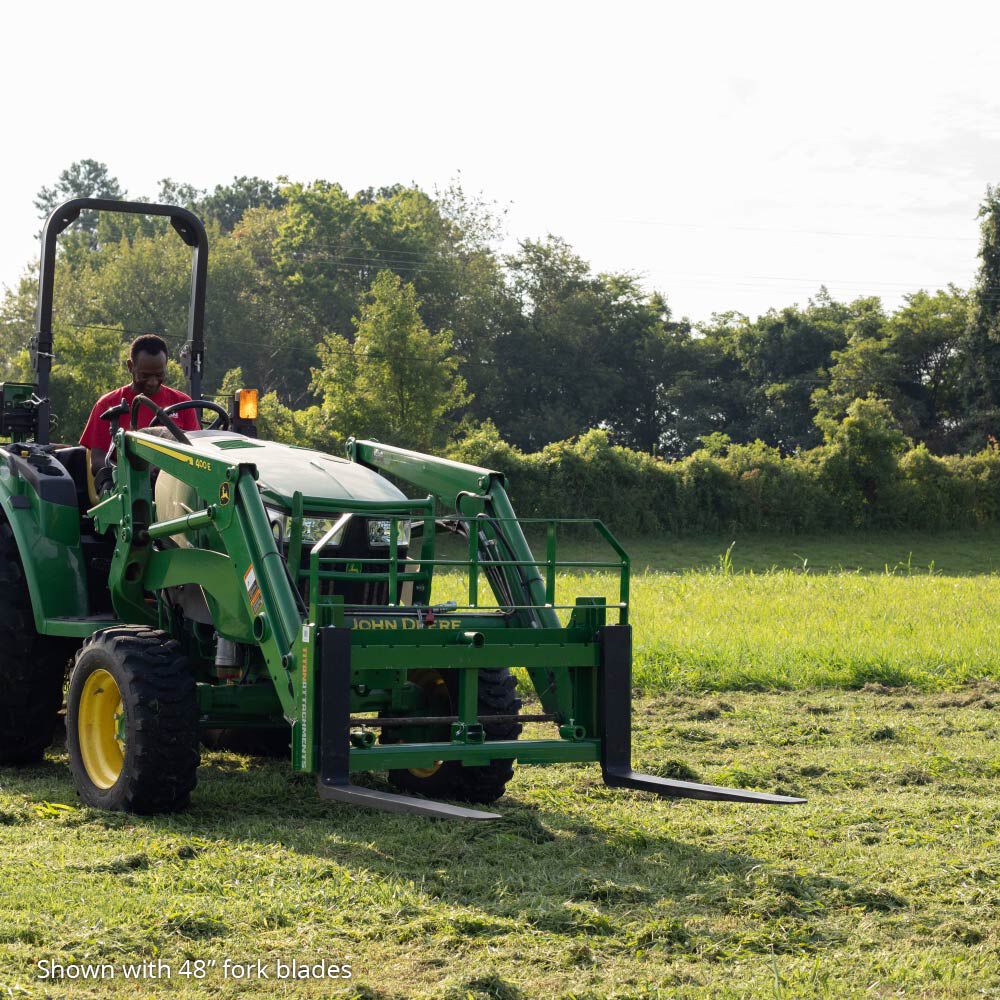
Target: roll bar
(191, 230)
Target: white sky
(736, 156)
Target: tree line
(392, 313)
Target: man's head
(147, 363)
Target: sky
(733, 156)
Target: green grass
(952, 553)
(885, 883)
(769, 613)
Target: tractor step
(370, 798)
(670, 789)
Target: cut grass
(885, 882)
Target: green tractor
(229, 588)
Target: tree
(180, 193)
(580, 350)
(396, 381)
(911, 360)
(783, 356)
(81, 179)
(981, 343)
(703, 389)
(861, 459)
(229, 203)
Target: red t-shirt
(97, 433)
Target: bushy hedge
(867, 475)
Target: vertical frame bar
(393, 555)
(468, 696)
(473, 563)
(550, 564)
(295, 539)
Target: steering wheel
(221, 422)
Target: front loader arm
(468, 490)
(471, 491)
(232, 556)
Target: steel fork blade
(692, 790)
(370, 798)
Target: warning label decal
(253, 590)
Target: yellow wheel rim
(436, 694)
(101, 729)
(425, 772)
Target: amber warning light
(247, 400)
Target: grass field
(775, 613)
(954, 553)
(859, 676)
(884, 884)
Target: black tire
(32, 666)
(258, 741)
(158, 712)
(497, 696)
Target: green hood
(284, 469)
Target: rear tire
(451, 780)
(32, 666)
(132, 722)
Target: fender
(52, 558)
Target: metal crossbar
(420, 569)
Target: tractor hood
(285, 469)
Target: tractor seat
(75, 460)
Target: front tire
(450, 779)
(132, 722)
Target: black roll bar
(191, 230)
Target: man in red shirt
(147, 364)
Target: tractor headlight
(378, 533)
(313, 528)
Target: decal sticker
(402, 624)
(253, 590)
(180, 456)
(225, 494)
(304, 719)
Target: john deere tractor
(229, 585)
